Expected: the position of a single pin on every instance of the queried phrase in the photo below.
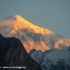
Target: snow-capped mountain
(31, 36)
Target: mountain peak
(19, 22)
(18, 18)
(22, 23)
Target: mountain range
(50, 50)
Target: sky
(51, 14)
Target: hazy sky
(52, 14)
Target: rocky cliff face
(13, 53)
